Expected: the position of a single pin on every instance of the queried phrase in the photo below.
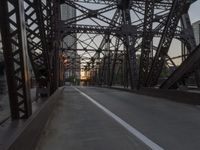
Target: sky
(194, 11)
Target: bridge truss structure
(120, 42)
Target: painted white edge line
(128, 127)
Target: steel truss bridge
(120, 42)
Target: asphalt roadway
(89, 118)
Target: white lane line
(128, 127)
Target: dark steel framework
(119, 42)
(135, 27)
(29, 30)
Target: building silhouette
(196, 29)
(69, 44)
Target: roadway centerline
(127, 126)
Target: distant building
(68, 12)
(69, 45)
(196, 29)
(73, 65)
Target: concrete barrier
(173, 95)
(23, 135)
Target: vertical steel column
(56, 40)
(102, 81)
(130, 48)
(13, 30)
(108, 62)
(114, 62)
(61, 72)
(125, 69)
(146, 41)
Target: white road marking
(128, 127)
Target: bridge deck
(107, 119)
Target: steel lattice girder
(178, 8)
(165, 18)
(185, 69)
(29, 28)
(15, 54)
(41, 19)
(37, 14)
(120, 32)
(93, 29)
(103, 43)
(163, 3)
(189, 40)
(147, 41)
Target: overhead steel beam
(90, 50)
(91, 29)
(88, 13)
(97, 1)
